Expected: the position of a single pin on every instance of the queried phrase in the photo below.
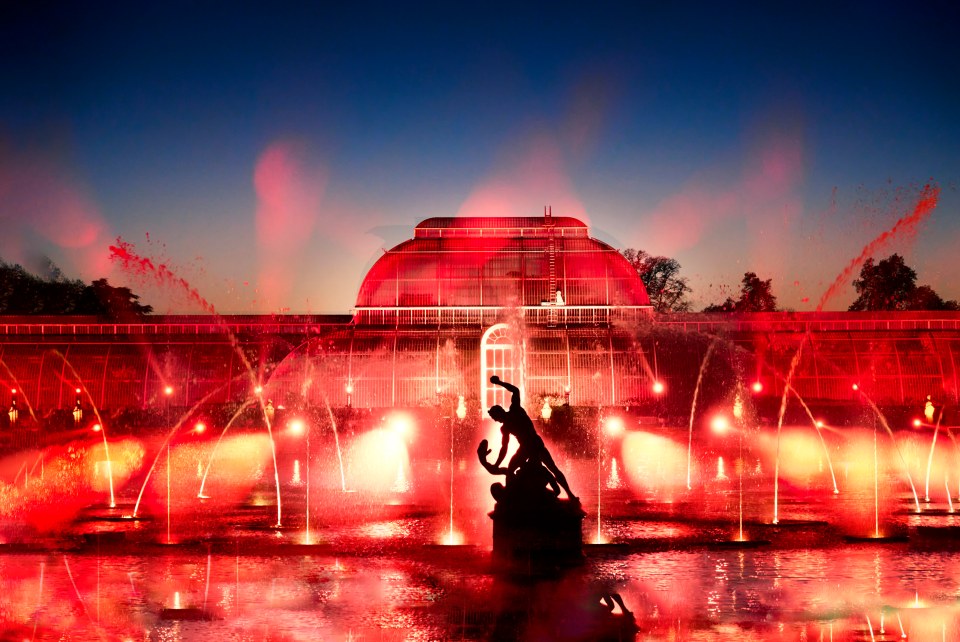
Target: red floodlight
(401, 424)
(297, 427)
(614, 425)
(720, 424)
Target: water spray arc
(693, 409)
(166, 442)
(206, 471)
(783, 410)
(102, 431)
(933, 445)
(883, 422)
(124, 254)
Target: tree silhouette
(103, 299)
(891, 284)
(27, 294)
(661, 275)
(756, 295)
(727, 306)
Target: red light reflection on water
(705, 595)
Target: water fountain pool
(376, 565)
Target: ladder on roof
(552, 262)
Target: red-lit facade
(497, 263)
(535, 300)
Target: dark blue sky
(270, 151)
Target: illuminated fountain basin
(374, 568)
(656, 498)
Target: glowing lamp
(13, 391)
(614, 425)
(757, 387)
(350, 388)
(819, 424)
(200, 427)
(401, 425)
(720, 424)
(917, 423)
(78, 391)
(297, 427)
(546, 410)
(658, 387)
(856, 386)
(258, 389)
(97, 427)
(168, 390)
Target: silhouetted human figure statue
(516, 422)
(527, 485)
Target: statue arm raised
(514, 391)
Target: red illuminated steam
(905, 226)
(760, 196)
(130, 261)
(531, 176)
(289, 194)
(39, 198)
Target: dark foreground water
(452, 593)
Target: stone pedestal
(542, 535)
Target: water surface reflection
(450, 593)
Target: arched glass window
(499, 356)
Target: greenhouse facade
(534, 300)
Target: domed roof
(501, 261)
